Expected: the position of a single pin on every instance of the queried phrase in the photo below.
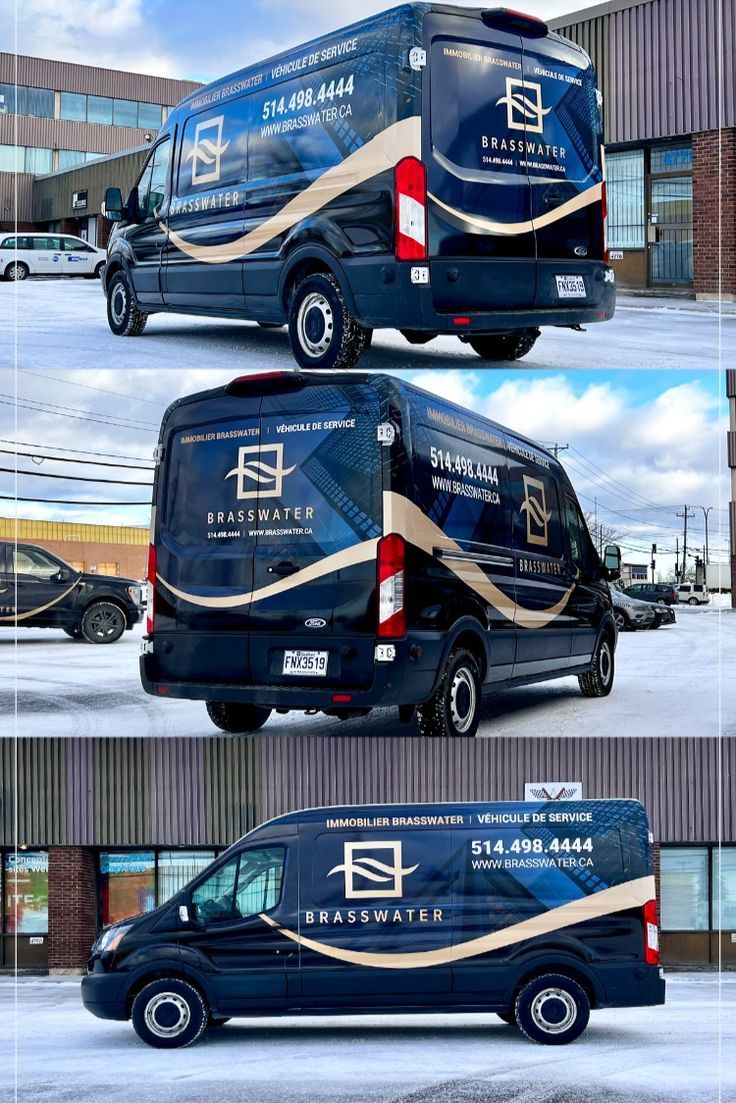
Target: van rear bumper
(384, 297)
(410, 678)
(630, 985)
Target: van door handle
(283, 568)
(553, 198)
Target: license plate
(570, 287)
(305, 663)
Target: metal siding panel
(65, 76)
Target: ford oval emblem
(581, 250)
(315, 622)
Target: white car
(691, 593)
(23, 255)
(629, 613)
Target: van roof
(402, 12)
(313, 377)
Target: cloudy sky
(640, 443)
(191, 39)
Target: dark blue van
(538, 912)
(335, 542)
(431, 169)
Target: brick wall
(710, 198)
(131, 559)
(72, 907)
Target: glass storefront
(136, 881)
(625, 192)
(696, 882)
(26, 892)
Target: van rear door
(315, 524)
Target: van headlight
(110, 939)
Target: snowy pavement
(667, 683)
(62, 324)
(667, 1054)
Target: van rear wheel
(552, 1010)
(123, 316)
(169, 1014)
(322, 331)
(504, 346)
(236, 718)
(598, 681)
(454, 709)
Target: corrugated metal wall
(64, 76)
(209, 791)
(661, 66)
(52, 195)
(10, 185)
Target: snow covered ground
(645, 1055)
(667, 683)
(68, 316)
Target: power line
(89, 387)
(77, 417)
(71, 459)
(75, 478)
(69, 501)
(79, 451)
(115, 418)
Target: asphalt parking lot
(667, 683)
(667, 1054)
(68, 317)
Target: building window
(109, 112)
(685, 889)
(110, 569)
(38, 102)
(11, 158)
(37, 160)
(724, 888)
(74, 106)
(99, 110)
(672, 159)
(625, 198)
(149, 115)
(26, 892)
(176, 868)
(127, 884)
(125, 113)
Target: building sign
(616, 254)
(553, 790)
(79, 200)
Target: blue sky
(192, 39)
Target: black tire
(124, 317)
(236, 718)
(103, 622)
(74, 633)
(454, 709)
(16, 271)
(598, 681)
(552, 1010)
(504, 346)
(271, 325)
(98, 270)
(507, 1017)
(322, 332)
(623, 624)
(169, 1014)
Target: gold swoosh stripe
(402, 139)
(632, 894)
(41, 608)
(359, 553)
(584, 199)
(405, 518)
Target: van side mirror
(612, 561)
(188, 916)
(63, 575)
(113, 206)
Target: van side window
(152, 185)
(245, 886)
(581, 548)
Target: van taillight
(391, 573)
(151, 576)
(651, 933)
(410, 182)
(604, 221)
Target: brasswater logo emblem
(268, 477)
(385, 879)
(207, 150)
(524, 109)
(537, 515)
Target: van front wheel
(454, 710)
(169, 1014)
(504, 346)
(598, 681)
(322, 331)
(123, 316)
(235, 718)
(552, 1010)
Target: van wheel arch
(301, 265)
(166, 973)
(564, 970)
(471, 640)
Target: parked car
(693, 593)
(630, 613)
(663, 614)
(23, 255)
(39, 590)
(661, 592)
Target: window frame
(711, 850)
(237, 858)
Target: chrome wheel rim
(553, 1010)
(104, 622)
(315, 324)
(17, 272)
(620, 622)
(462, 700)
(167, 1015)
(119, 303)
(605, 664)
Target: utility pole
(706, 511)
(686, 516)
(677, 558)
(555, 449)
